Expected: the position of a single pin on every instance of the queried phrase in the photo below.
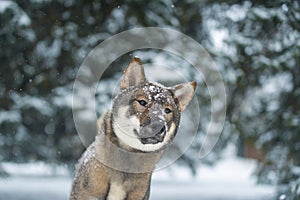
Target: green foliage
(263, 57)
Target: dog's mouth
(157, 138)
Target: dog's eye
(142, 102)
(167, 110)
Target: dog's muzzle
(153, 133)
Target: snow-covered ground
(229, 179)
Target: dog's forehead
(157, 92)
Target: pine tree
(262, 66)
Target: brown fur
(110, 166)
(93, 179)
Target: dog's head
(146, 115)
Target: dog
(131, 139)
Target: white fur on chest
(116, 192)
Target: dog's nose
(156, 127)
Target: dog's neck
(118, 155)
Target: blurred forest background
(254, 43)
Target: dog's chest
(116, 191)
(132, 186)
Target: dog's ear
(133, 75)
(184, 93)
